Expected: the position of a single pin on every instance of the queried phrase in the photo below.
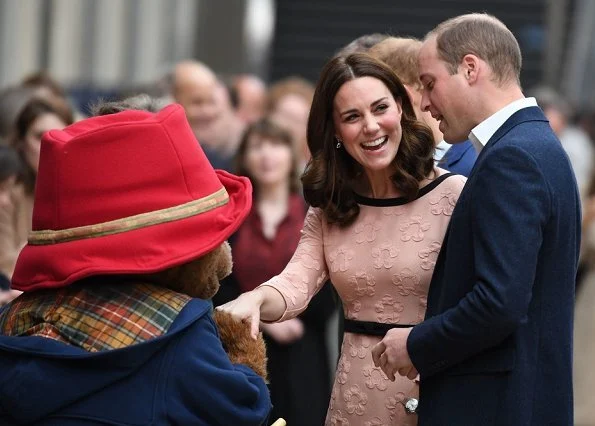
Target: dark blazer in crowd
(496, 344)
(459, 159)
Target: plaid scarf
(95, 317)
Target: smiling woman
(361, 106)
(379, 212)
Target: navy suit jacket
(496, 345)
(459, 158)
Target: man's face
(444, 95)
(200, 103)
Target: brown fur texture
(200, 278)
(239, 345)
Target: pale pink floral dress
(381, 266)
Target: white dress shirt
(483, 132)
(440, 151)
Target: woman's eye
(351, 117)
(381, 107)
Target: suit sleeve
(510, 202)
(206, 388)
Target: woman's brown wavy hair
(329, 178)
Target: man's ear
(470, 66)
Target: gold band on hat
(170, 214)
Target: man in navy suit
(496, 345)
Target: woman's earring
(338, 146)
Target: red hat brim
(145, 250)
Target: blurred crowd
(258, 129)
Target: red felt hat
(126, 193)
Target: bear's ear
(200, 278)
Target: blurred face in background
(557, 119)
(291, 112)
(32, 142)
(251, 92)
(268, 160)
(199, 100)
(6, 189)
(195, 88)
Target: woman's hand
(246, 308)
(285, 332)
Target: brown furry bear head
(200, 277)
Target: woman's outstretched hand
(246, 308)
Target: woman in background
(298, 362)
(37, 117)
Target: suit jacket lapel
(522, 116)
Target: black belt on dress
(369, 327)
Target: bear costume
(115, 324)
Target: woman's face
(40, 125)
(268, 161)
(367, 120)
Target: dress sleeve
(306, 272)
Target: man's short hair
(484, 36)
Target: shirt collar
(440, 151)
(483, 132)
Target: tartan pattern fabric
(95, 317)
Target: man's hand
(390, 354)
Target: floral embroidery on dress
(355, 400)
(429, 255)
(331, 406)
(307, 260)
(407, 283)
(384, 255)
(375, 378)
(359, 346)
(362, 284)
(366, 232)
(337, 419)
(443, 203)
(300, 283)
(388, 310)
(340, 259)
(343, 369)
(376, 421)
(393, 403)
(414, 229)
(353, 309)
